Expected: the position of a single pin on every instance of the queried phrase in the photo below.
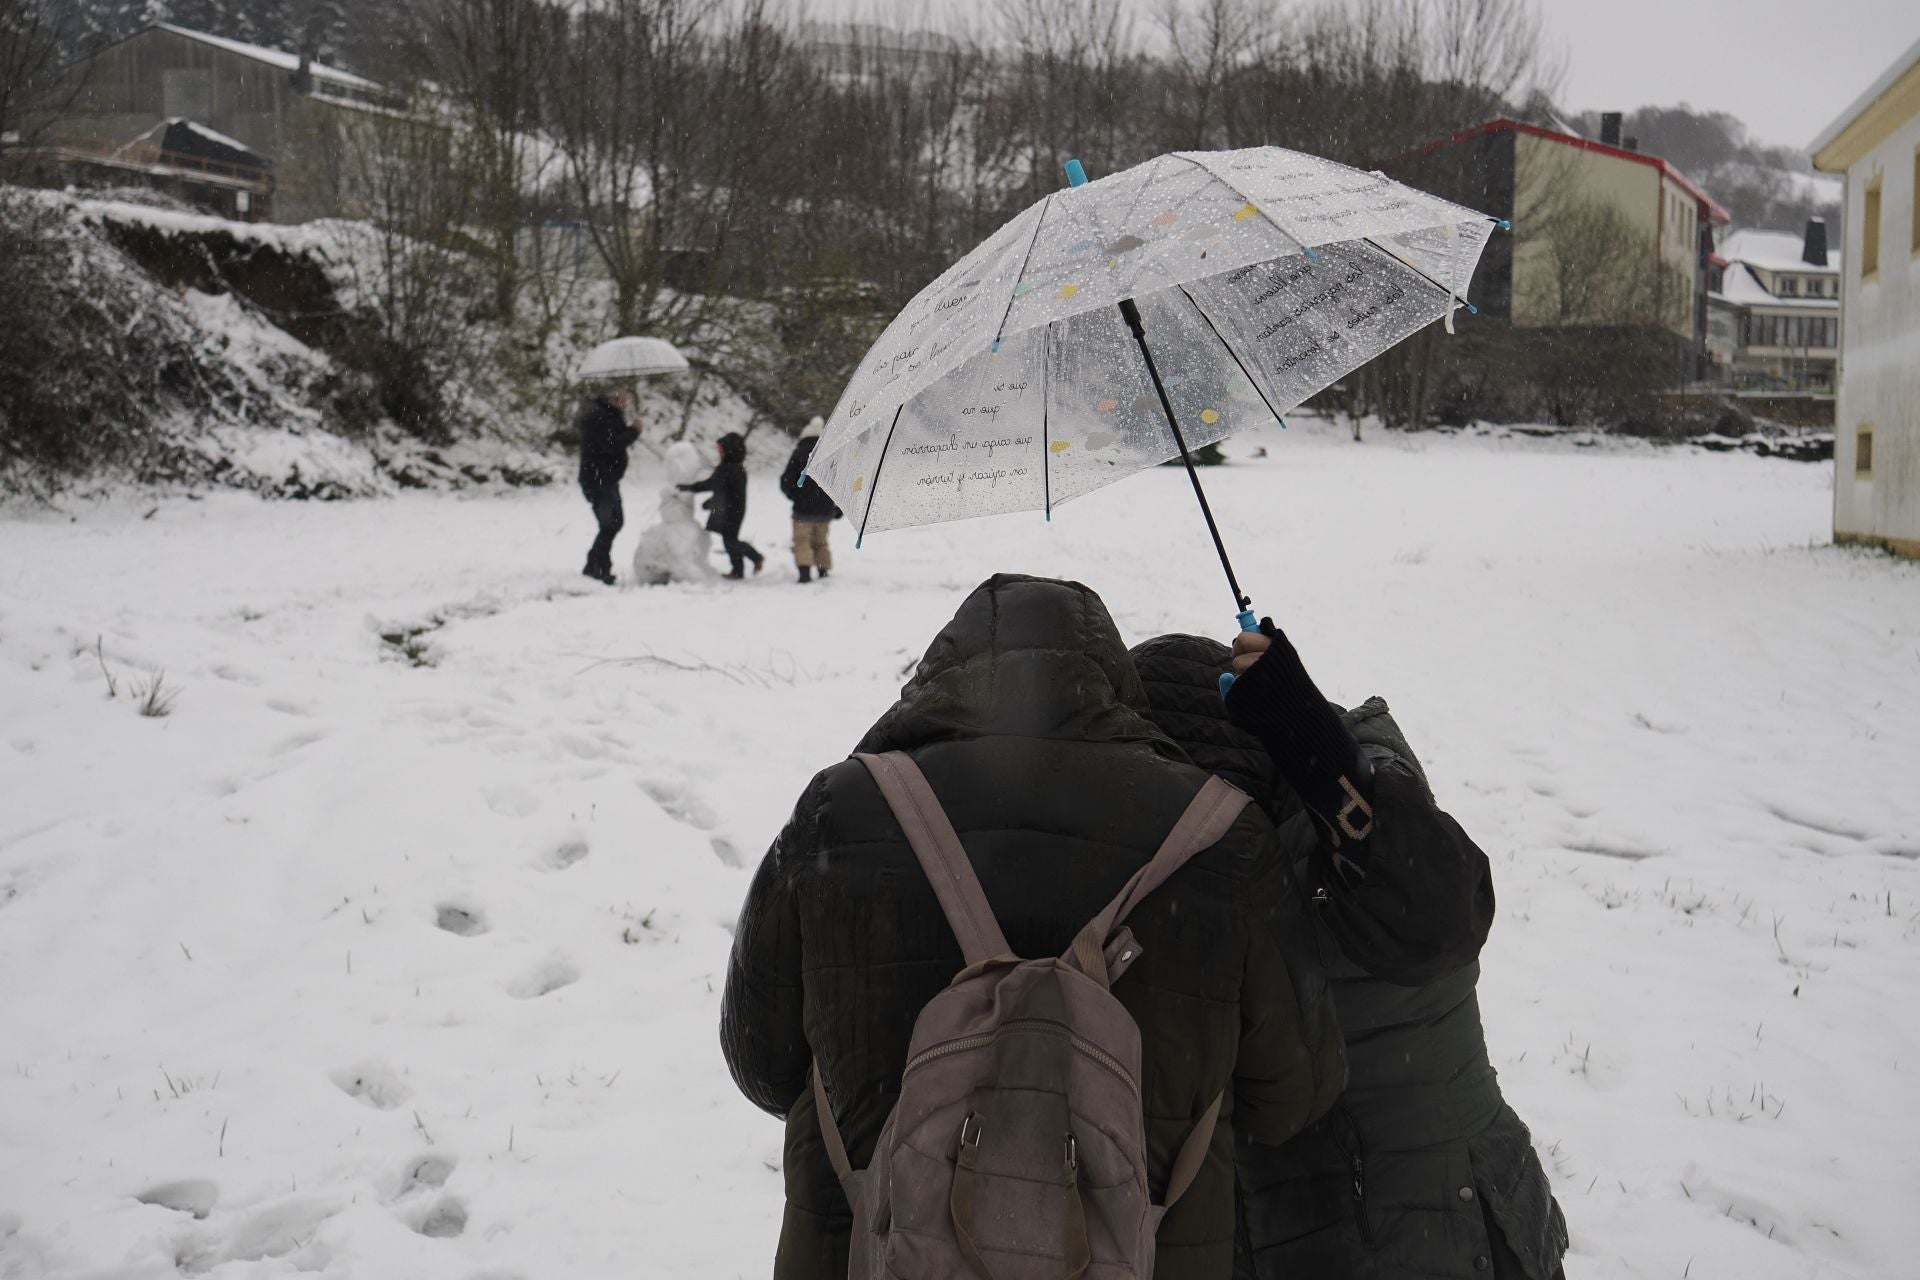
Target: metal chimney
(1610, 128)
(1815, 252)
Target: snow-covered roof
(1774, 251)
(272, 57)
(1739, 287)
(211, 135)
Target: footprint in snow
(680, 803)
(460, 919)
(429, 1172)
(373, 1083)
(563, 855)
(446, 1219)
(196, 1196)
(544, 978)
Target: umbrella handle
(1247, 623)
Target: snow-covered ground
(376, 969)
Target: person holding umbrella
(813, 510)
(605, 437)
(1422, 1168)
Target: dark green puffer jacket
(1421, 1170)
(1026, 717)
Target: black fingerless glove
(1277, 701)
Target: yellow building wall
(1880, 343)
(1551, 182)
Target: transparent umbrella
(621, 358)
(1120, 323)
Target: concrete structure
(1773, 320)
(1603, 234)
(1876, 144)
(287, 109)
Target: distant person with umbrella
(814, 510)
(605, 437)
(606, 434)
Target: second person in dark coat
(727, 509)
(1422, 1170)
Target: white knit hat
(813, 429)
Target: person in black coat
(1421, 1170)
(728, 506)
(814, 510)
(605, 437)
(1027, 719)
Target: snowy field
(356, 967)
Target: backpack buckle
(973, 1122)
(1073, 1155)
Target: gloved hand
(1275, 699)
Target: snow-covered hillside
(395, 949)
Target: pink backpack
(1018, 1148)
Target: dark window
(1863, 452)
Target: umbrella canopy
(1014, 381)
(630, 358)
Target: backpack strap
(1206, 820)
(942, 857)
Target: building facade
(1603, 234)
(1875, 143)
(1774, 311)
(286, 109)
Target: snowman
(676, 547)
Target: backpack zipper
(1085, 1047)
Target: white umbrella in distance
(630, 358)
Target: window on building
(1787, 285)
(188, 93)
(1870, 232)
(1915, 200)
(1863, 451)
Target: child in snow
(728, 506)
(813, 510)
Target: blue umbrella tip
(1311, 255)
(1076, 173)
(1503, 224)
(995, 349)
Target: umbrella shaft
(1131, 314)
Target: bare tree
(415, 279)
(33, 90)
(493, 60)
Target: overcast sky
(1785, 67)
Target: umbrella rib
(873, 495)
(1228, 347)
(1046, 440)
(1012, 294)
(1371, 243)
(1258, 207)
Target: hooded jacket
(810, 501)
(1403, 1177)
(728, 485)
(1026, 717)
